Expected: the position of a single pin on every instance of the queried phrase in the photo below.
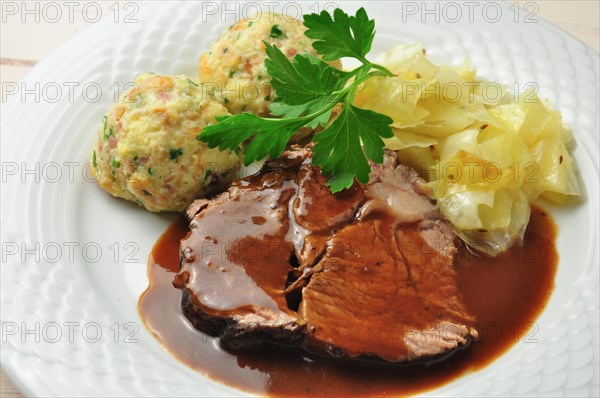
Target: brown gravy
(506, 294)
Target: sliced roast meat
(316, 212)
(366, 273)
(235, 262)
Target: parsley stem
(344, 95)
(371, 65)
(383, 69)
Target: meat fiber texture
(366, 273)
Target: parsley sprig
(307, 89)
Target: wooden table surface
(22, 45)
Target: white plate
(59, 212)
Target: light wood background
(22, 45)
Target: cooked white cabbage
(485, 153)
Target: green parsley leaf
(287, 111)
(276, 33)
(269, 135)
(175, 153)
(303, 79)
(341, 36)
(342, 148)
(306, 91)
(106, 134)
(94, 162)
